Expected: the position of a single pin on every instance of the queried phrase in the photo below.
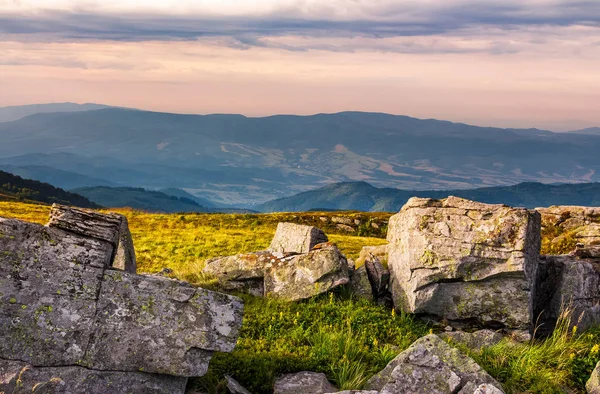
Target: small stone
(303, 383)
(296, 238)
(360, 284)
(448, 328)
(234, 387)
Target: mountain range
(233, 160)
(362, 196)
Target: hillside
(365, 197)
(241, 161)
(182, 193)
(59, 178)
(138, 198)
(15, 188)
(12, 113)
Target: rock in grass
(234, 387)
(303, 383)
(296, 238)
(243, 272)
(593, 384)
(378, 276)
(307, 275)
(571, 282)
(430, 365)
(360, 284)
(464, 261)
(50, 380)
(356, 392)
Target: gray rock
(360, 284)
(567, 281)
(368, 253)
(342, 220)
(356, 392)
(472, 388)
(379, 277)
(110, 227)
(76, 380)
(86, 222)
(460, 260)
(345, 227)
(474, 340)
(160, 325)
(429, 365)
(593, 384)
(303, 383)
(125, 257)
(61, 306)
(307, 275)
(234, 387)
(49, 283)
(296, 238)
(244, 272)
(581, 223)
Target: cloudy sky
(513, 63)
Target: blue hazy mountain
(12, 113)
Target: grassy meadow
(346, 338)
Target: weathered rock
(356, 392)
(593, 384)
(74, 380)
(234, 387)
(307, 275)
(461, 260)
(160, 325)
(429, 365)
(110, 227)
(61, 306)
(586, 251)
(243, 272)
(472, 388)
(296, 238)
(379, 277)
(360, 284)
(474, 340)
(342, 220)
(125, 257)
(568, 282)
(303, 383)
(49, 283)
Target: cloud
(322, 25)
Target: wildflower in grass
(595, 349)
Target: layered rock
(296, 238)
(20, 378)
(63, 307)
(464, 261)
(567, 282)
(110, 227)
(430, 365)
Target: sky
(508, 63)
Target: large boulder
(110, 227)
(20, 378)
(303, 383)
(360, 284)
(296, 238)
(307, 275)
(473, 340)
(593, 384)
(567, 282)
(430, 365)
(63, 305)
(463, 261)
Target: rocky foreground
(75, 317)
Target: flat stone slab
(296, 238)
(75, 380)
(160, 325)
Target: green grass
(347, 339)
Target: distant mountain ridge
(12, 113)
(15, 188)
(235, 160)
(362, 196)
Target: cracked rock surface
(63, 305)
(460, 260)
